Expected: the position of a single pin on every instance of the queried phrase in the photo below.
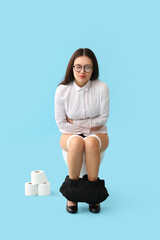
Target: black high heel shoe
(94, 208)
(72, 209)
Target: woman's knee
(76, 143)
(92, 142)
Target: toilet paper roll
(44, 189)
(31, 189)
(38, 177)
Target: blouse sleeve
(102, 118)
(60, 117)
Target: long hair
(69, 77)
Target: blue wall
(37, 39)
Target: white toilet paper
(31, 189)
(38, 177)
(44, 189)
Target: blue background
(37, 39)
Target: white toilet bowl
(83, 169)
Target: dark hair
(69, 77)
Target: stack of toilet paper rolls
(39, 184)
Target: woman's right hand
(96, 128)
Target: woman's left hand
(69, 120)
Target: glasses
(87, 68)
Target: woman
(81, 110)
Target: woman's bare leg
(92, 154)
(92, 158)
(74, 156)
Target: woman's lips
(82, 76)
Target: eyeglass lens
(78, 68)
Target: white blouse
(88, 106)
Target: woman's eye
(78, 67)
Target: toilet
(83, 169)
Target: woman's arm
(92, 129)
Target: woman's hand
(69, 120)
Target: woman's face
(82, 76)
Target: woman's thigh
(104, 140)
(63, 140)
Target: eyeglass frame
(83, 67)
